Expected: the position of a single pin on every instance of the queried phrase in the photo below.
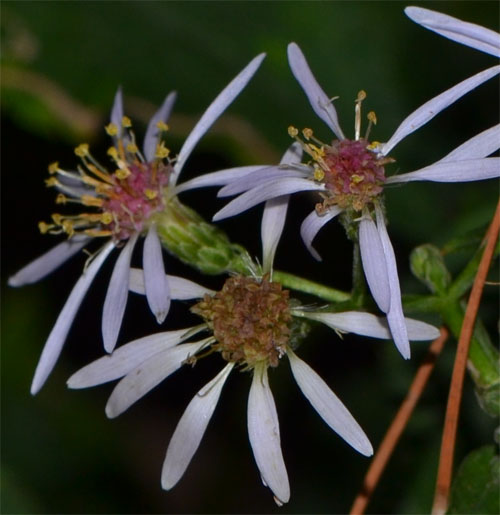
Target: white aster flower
(251, 321)
(127, 200)
(469, 34)
(349, 175)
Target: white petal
(127, 357)
(116, 296)
(434, 106)
(453, 171)
(366, 324)
(320, 102)
(477, 147)
(139, 381)
(56, 339)
(273, 221)
(395, 316)
(264, 175)
(216, 108)
(264, 435)
(329, 406)
(311, 226)
(48, 262)
(117, 111)
(259, 177)
(273, 218)
(373, 258)
(152, 132)
(155, 280)
(220, 178)
(265, 192)
(463, 32)
(191, 428)
(180, 288)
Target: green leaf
(427, 264)
(476, 486)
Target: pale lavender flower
(249, 321)
(128, 201)
(469, 34)
(349, 176)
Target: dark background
(61, 65)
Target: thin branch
(443, 482)
(398, 425)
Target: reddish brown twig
(398, 425)
(443, 482)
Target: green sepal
(184, 233)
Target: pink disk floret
(353, 173)
(135, 199)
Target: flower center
(351, 173)
(250, 319)
(351, 170)
(124, 199)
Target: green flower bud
(427, 264)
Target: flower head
(252, 324)
(121, 202)
(350, 177)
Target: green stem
(304, 285)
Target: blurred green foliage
(61, 65)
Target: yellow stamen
(319, 174)
(106, 218)
(356, 179)
(44, 228)
(82, 150)
(162, 126)
(307, 133)
(111, 129)
(51, 181)
(89, 200)
(96, 233)
(293, 131)
(113, 153)
(61, 199)
(150, 194)
(161, 151)
(53, 167)
(132, 148)
(126, 122)
(122, 173)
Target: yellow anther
(316, 152)
(319, 174)
(293, 131)
(307, 133)
(150, 194)
(372, 117)
(82, 150)
(132, 148)
(122, 173)
(53, 167)
(113, 153)
(162, 126)
(43, 227)
(61, 199)
(51, 181)
(126, 122)
(89, 200)
(57, 218)
(68, 228)
(106, 218)
(356, 179)
(361, 96)
(161, 151)
(373, 145)
(111, 129)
